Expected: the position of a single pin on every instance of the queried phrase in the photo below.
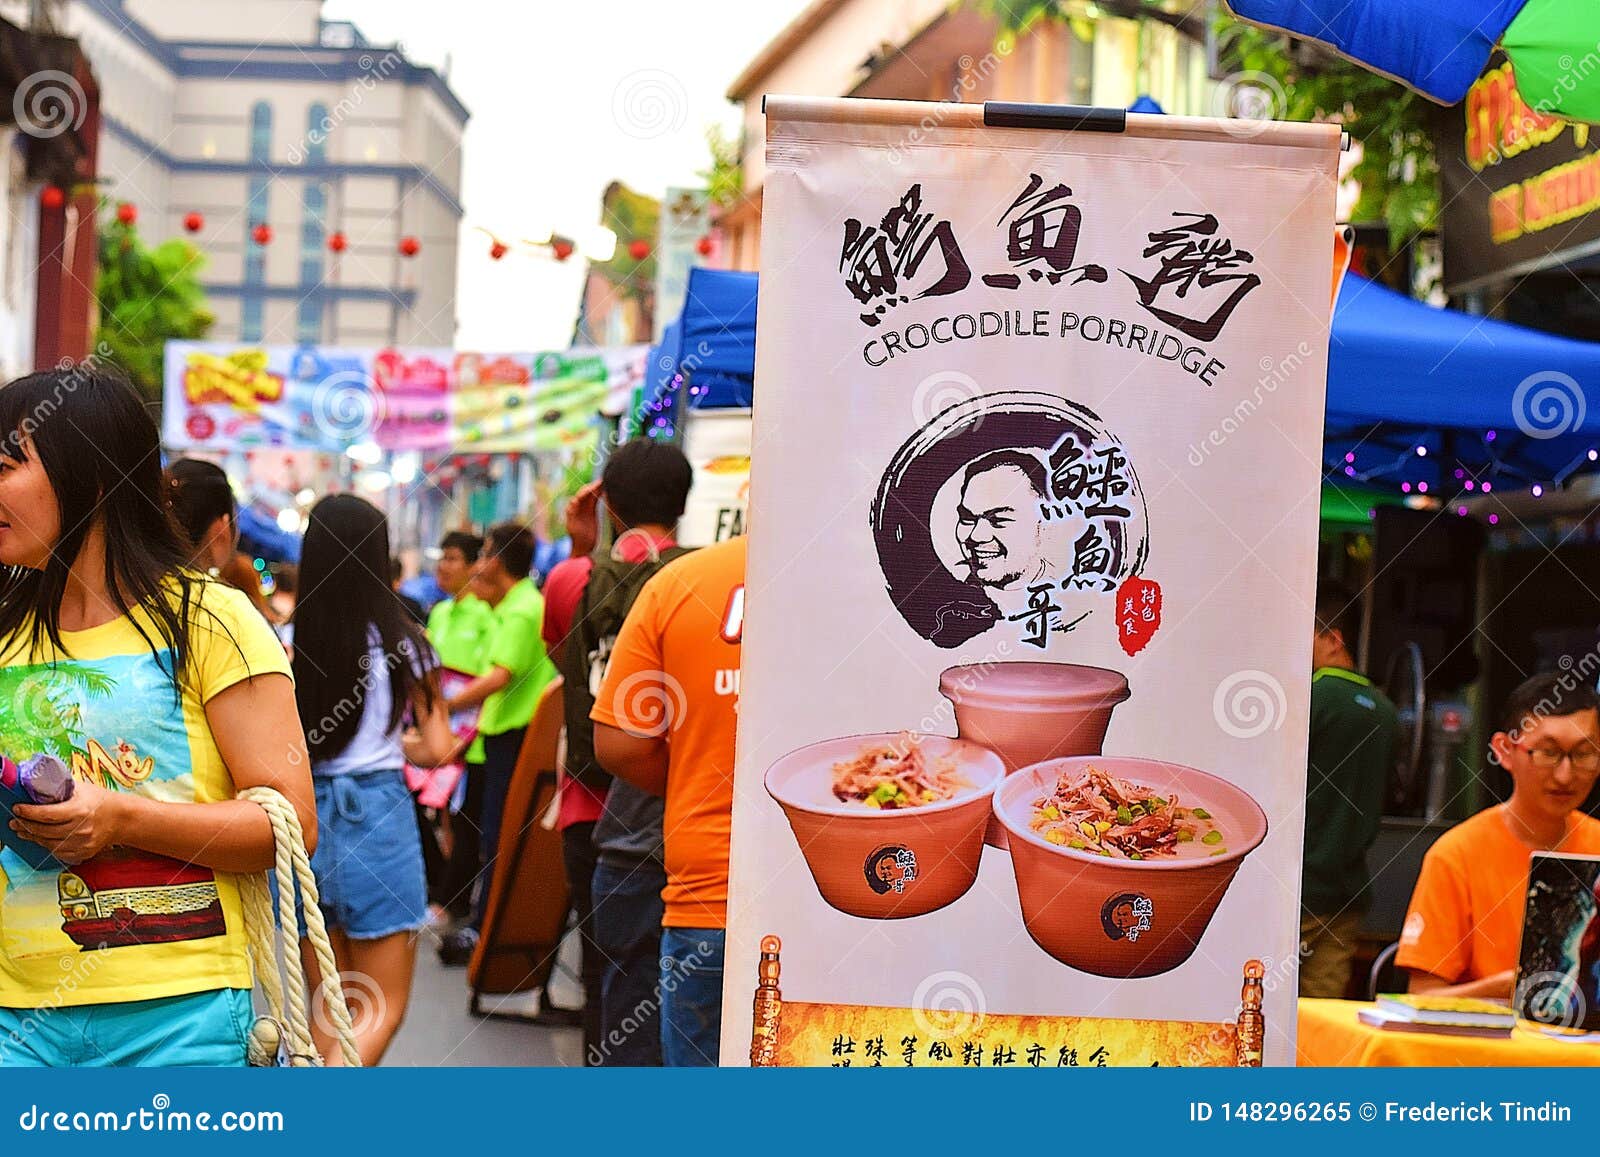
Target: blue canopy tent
(711, 348)
(1442, 402)
(1503, 405)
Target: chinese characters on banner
(239, 397)
(998, 797)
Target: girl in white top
(360, 663)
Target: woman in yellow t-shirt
(166, 694)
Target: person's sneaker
(456, 949)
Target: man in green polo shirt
(1354, 730)
(516, 672)
(459, 628)
(458, 625)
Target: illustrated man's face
(999, 526)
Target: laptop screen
(1558, 968)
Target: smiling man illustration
(1000, 520)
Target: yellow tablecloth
(1331, 1035)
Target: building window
(318, 126)
(252, 306)
(261, 131)
(313, 235)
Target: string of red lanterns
(53, 197)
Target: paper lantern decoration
(53, 197)
(337, 243)
(262, 234)
(561, 249)
(703, 246)
(410, 246)
(638, 250)
(194, 222)
(497, 251)
(127, 213)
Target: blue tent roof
(1146, 104)
(1487, 397)
(1401, 374)
(718, 352)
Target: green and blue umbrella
(1439, 47)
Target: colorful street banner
(229, 397)
(1021, 763)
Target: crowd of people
(123, 614)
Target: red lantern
(703, 246)
(194, 222)
(410, 246)
(638, 250)
(337, 243)
(562, 250)
(497, 251)
(262, 234)
(53, 197)
(127, 213)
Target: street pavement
(440, 1031)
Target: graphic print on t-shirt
(116, 722)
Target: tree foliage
(147, 296)
(724, 180)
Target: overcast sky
(565, 97)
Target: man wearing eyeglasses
(1462, 932)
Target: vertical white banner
(1036, 465)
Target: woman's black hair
(100, 449)
(344, 597)
(200, 495)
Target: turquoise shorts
(203, 1029)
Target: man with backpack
(611, 831)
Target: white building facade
(260, 113)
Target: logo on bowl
(891, 868)
(1126, 916)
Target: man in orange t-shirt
(664, 722)
(1464, 929)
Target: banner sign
(228, 397)
(717, 444)
(1026, 671)
(1521, 190)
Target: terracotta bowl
(1028, 712)
(886, 865)
(1086, 909)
